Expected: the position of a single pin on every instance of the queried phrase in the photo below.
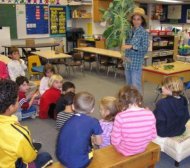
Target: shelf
(162, 35)
(82, 18)
(162, 56)
(157, 48)
(80, 4)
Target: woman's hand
(125, 59)
(126, 47)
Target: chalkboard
(8, 18)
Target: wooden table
(104, 52)
(99, 51)
(38, 45)
(4, 59)
(156, 76)
(50, 55)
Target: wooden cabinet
(98, 4)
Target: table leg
(97, 63)
(6, 53)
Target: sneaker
(37, 145)
(33, 116)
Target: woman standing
(136, 47)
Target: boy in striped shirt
(68, 112)
(135, 126)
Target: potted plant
(117, 19)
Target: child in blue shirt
(171, 112)
(74, 149)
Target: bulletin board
(57, 20)
(37, 19)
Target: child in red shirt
(3, 71)
(51, 95)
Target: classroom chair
(33, 60)
(119, 67)
(108, 63)
(76, 61)
(89, 58)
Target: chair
(107, 62)
(33, 60)
(119, 67)
(76, 61)
(89, 58)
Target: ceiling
(154, 1)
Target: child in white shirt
(17, 66)
(48, 72)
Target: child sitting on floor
(48, 72)
(67, 87)
(26, 107)
(16, 148)
(172, 111)
(135, 126)
(74, 140)
(3, 71)
(108, 110)
(51, 96)
(67, 113)
(17, 66)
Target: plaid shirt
(139, 40)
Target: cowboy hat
(138, 11)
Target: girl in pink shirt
(135, 127)
(108, 111)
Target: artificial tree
(117, 19)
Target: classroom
(94, 83)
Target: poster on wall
(37, 19)
(57, 20)
(174, 11)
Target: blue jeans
(134, 78)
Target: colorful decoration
(36, 19)
(57, 20)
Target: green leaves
(117, 18)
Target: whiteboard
(21, 24)
(5, 37)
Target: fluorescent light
(170, 1)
